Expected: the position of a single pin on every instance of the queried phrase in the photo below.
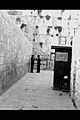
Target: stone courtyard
(35, 92)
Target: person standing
(38, 64)
(32, 63)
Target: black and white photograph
(40, 59)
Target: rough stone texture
(15, 52)
(34, 92)
(75, 69)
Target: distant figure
(48, 30)
(32, 63)
(38, 64)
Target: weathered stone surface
(75, 69)
(15, 52)
(34, 92)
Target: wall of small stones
(15, 53)
(75, 69)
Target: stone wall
(15, 52)
(75, 69)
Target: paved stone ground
(34, 92)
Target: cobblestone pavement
(34, 92)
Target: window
(62, 56)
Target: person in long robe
(32, 63)
(38, 64)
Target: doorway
(62, 68)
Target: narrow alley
(39, 59)
(34, 92)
